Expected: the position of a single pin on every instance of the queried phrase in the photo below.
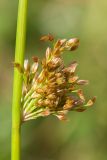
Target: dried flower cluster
(55, 90)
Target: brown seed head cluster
(55, 90)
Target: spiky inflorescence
(55, 90)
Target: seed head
(55, 90)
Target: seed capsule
(71, 68)
(48, 37)
(39, 90)
(34, 67)
(54, 63)
(91, 102)
(80, 93)
(48, 53)
(72, 79)
(26, 65)
(51, 96)
(82, 82)
(72, 44)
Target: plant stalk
(17, 82)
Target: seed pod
(91, 102)
(26, 65)
(57, 44)
(48, 37)
(40, 102)
(51, 96)
(69, 103)
(54, 63)
(80, 93)
(34, 67)
(72, 79)
(48, 102)
(51, 75)
(58, 75)
(72, 44)
(82, 82)
(41, 78)
(39, 90)
(48, 53)
(60, 80)
(67, 107)
(71, 68)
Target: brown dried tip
(48, 37)
(18, 66)
(35, 59)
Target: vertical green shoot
(17, 82)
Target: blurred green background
(84, 137)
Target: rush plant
(55, 90)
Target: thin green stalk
(17, 84)
(30, 105)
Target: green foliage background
(84, 137)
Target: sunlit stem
(17, 84)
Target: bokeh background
(84, 137)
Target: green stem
(17, 84)
(30, 105)
(34, 115)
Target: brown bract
(48, 37)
